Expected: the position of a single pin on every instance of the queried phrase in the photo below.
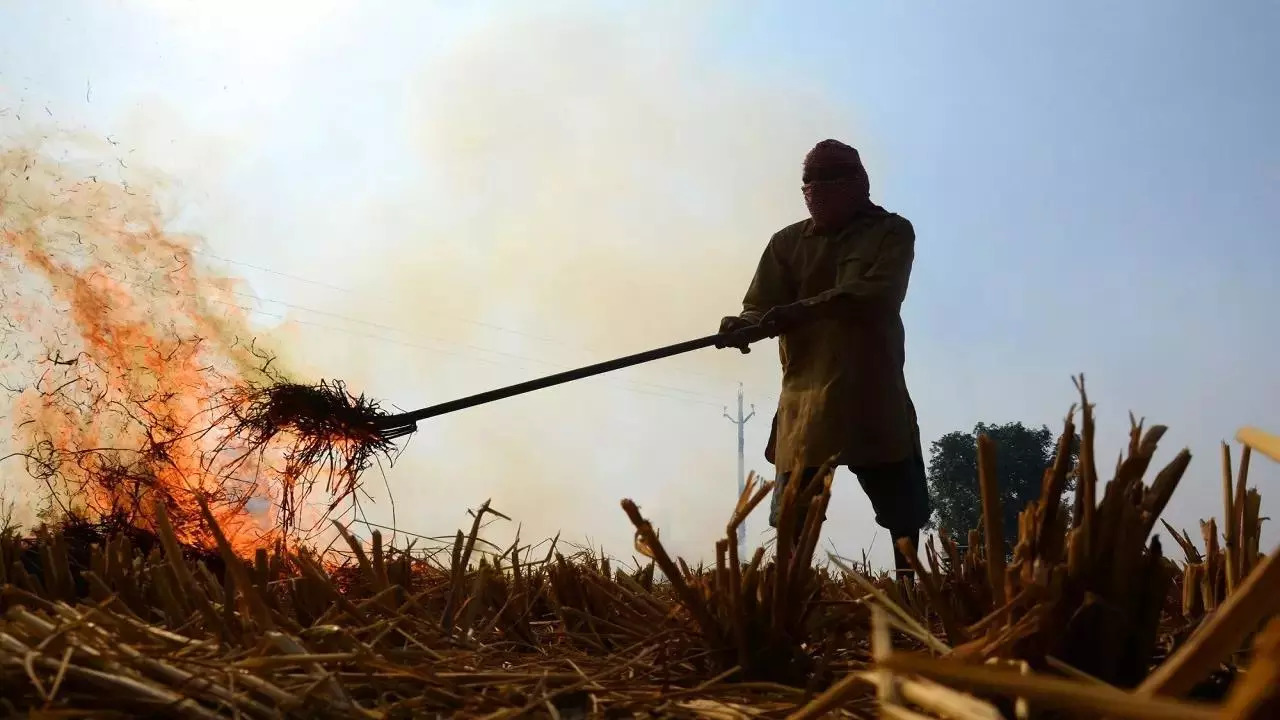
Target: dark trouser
(899, 494)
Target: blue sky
(502, 193)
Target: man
(831, 288)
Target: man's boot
(901, 565)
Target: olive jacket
(844, 395)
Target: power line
(479, 323)
(262, 268)
(358, 321)
(630, 386)
(639, 391)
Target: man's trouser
(899, 494)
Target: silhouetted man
(831, 287)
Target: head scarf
(836, 185)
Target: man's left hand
(784, 317)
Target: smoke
(555, 188)
(606, 191)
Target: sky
(431, 200)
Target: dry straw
(112, 622)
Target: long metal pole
(405, 423)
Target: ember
(328, 433)
(130, 373)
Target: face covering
(836, 187)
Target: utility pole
(741, 421)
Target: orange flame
(123, 345)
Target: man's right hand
(731, 325)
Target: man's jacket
(844, 396)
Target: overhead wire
(471, 321)
(636, 386)
(629, 386)
(381, 326)
(272, 271)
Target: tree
(1022, 455)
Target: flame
(120, 348)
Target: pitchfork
(393, 426)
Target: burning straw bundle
(328, 433)
(107, 444)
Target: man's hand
(784, 317)
(734, 323)
(734, 328)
